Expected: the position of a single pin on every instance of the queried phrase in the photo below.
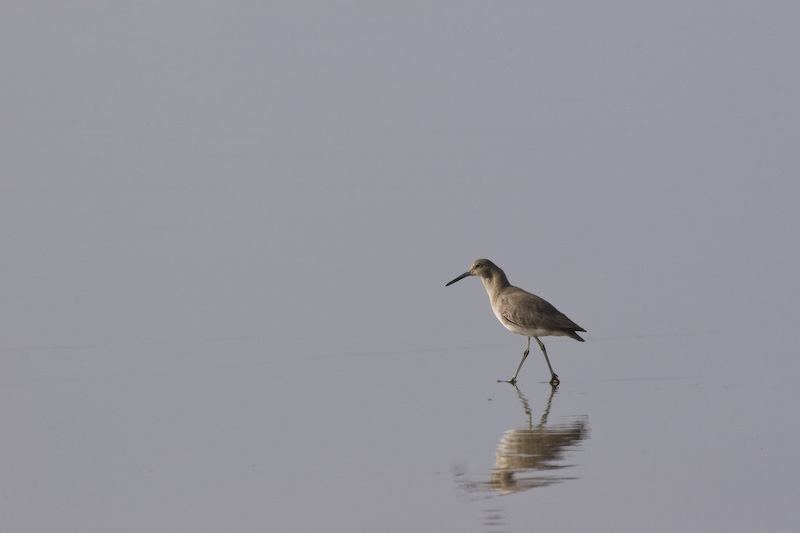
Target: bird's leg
(553, 377)
(513, 380)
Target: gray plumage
(522, 312)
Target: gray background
(226, 230)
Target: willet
(522, 312)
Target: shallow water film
(227, 230)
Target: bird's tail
(571, 334)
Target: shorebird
(522, 312)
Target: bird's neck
(497, 282)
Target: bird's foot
(513, 381)
(554, 381)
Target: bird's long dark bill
(462, 276)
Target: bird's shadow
(532, 455)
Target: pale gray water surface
(226, 232)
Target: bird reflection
(532, 456)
